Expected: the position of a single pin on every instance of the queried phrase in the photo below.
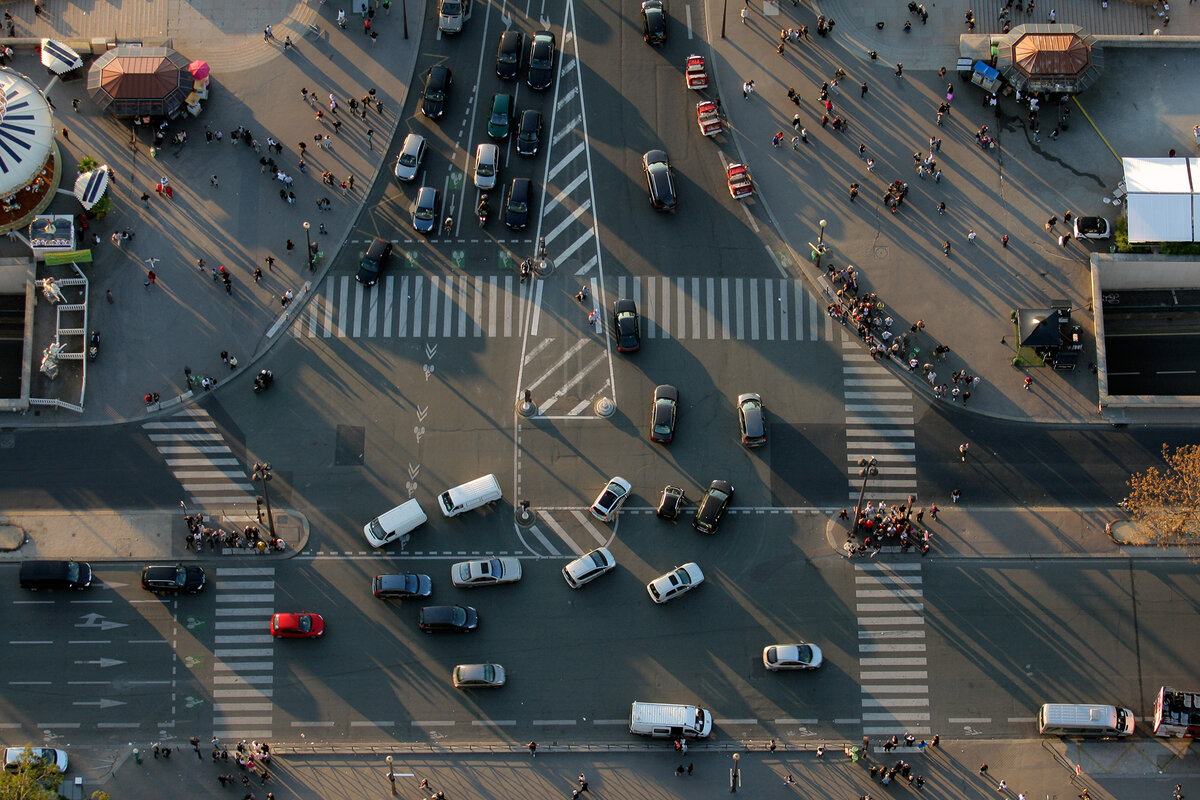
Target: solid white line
(877, 578)
(913, 620)
(897, 592)
(433, 723)
(915, 717)
(202, 462)
(554, 722)
(247, 680)
(895, 675)
(258, 693)
(891, 634)
(537, 308)
(298, 724)
(878, 395)
(164, 426)
(890, 661)
(224, 584)
(244, 653)
(891, 648)
(493, 722)
(688, 14)
(579, 241)
(898, 702)
(586, 521)
(243, 639)
(916, 731)
(366, 723)
(229, 708)
(962, 720)
(750, 721)
(579, 376)
(876, 433)
(238, 625)
(795, 721)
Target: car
(588, 567)
(13, 756)
(611, 498)
(1092, 228)
(478, 676)
(660, 184)
(437, 87)
(529, 132)
(458, 619)
(502, 113)
(517, 200)
(485, 572)
(541, 60)
(752, 419)
(654, 21)
(712, 506)
(425, 210)
(412, 153)
(682, 579)
(302, 625)
(792, 656)
(487, 165)
(508, 55)
(402, 586)
(173, 578)
(452, 15)
(627, 326)
(671, 501)
(663, 411)
(373, 262)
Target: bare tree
(1165, 501)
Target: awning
(90, 186)
(199, 70)
(59, 58)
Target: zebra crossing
(243, 653)
(879, 425)
(465, 306)
(893, 671)
(552, 537)
(197, 455)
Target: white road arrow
(430, 350)
(102, 703)
(413, 471)
(95, 620)
(421, 412)
(103, 663)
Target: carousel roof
(133, 81)
(1049, 58)
(26, 131)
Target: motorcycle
(94, 346)
(482, 211)
(263, 380)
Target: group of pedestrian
(884, 525)
(251, 537)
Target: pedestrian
(771, 746)
(853, 192)
(258, 274)
(962, 448)
(941, 208)
(1178, 791)
(532, 748)
(937, 738)
(983, 769)
(224, 356)
(583, 784)
(151, 279)
(946, 247)
(789, 780)
(678, 774)
(966, 396)
(370, 139)
(1067, 217)
(920, 515)
(899, 70)
(870, 165)
(1050, 223)
(955, 495)
(689, 769)
(1003, 787)
(937, 176)
(804, 134)
(971, 236)
(777, 139)
(862, 150)
(213, 180)
(146, 199)
(933, 512)
(290, 246)
(270, 263)
(745, 15)
(1028, 384)
(1004, 240)
(863, 88)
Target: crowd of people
(892, 525)
(249, 538)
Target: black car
(508, 55)
(660, 185)
(654, 21)
(671, 501)
(662, 413)
(437, 86)
(541, 60)
(401, 587)
(516, 203)
(458, 619)
(712, 506)
(625, 321)
(173, 578)
(374, 262)
(529, 132)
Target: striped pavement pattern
(243, 653)
(879, 425)
(893, 672)
(197, 455)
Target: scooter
(482, 211)
(94, 346)
(263, 380)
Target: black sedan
(529, 132)
(660, 184)
(508, 55)
(173, 578)
(541, 60)
(517, 203)
(663, 412)
(456, 619)
(627, 326)
(437, 86)
(712, 506)
(654, 21)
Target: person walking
(955, 496)
(151, 279)
(962, 448)
(899, 70)
(532, 746)
(863, 89)
(971, 236)
(946, 247)
(583, 784)
(270, 263)
(1004, 240)
(745, 15)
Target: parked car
(752, 419)
(173, 578)
(478, 676)
(425, 210)
(529, 132)
(373, 262)
(501, 117)
(437, 87)
(457, 619)
(49, 755)
(627, 326)
(508, 55)
(654, 21)
(712, 506)
(452, 15)
(588, 567)
(663, 410)
(660, 184)
(485, 572)
(487, 166)
(611, 498)
(304, 625)
(516, 204)
(403, 586)
(792, 656)
(412, 153)
(541, 60)
(1092, 228)
(678, 581)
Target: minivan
(42, 575)
(470, 495)
(669, 720)
(1083, 719)
(395, 524)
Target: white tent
(1163, 199)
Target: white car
(588, 567)
(676, 582)
(478, 676)
(612, 497)
(408, 163)
(792, 656)
(487, 166)
(486, 572)
(452, 14)
(12, 757)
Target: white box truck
(669, 720)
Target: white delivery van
(395, 524)
(669, 721)
(1082, 719)
(470, 495)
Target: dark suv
(517, 203)
(173, 578)
(401, 587)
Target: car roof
(623, 305)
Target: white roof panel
(1160, 175)
(1160, 217)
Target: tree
(34, 779)
(1165, 501)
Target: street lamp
(308, 244)
(724, 13)
(819, 249)
(866, 468)
(821, 235)
(262, 472)
(391, 775)
(735, 777)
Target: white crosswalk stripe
(243, 653)
(464, 306)
(196, 453)
(892, 660)
(880, 424)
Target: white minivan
(470, 495)
(396, 524)
(1084, 719)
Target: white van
(1082, 719)
(669, 721)
(395, 524)
(470, 495)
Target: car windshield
(424, 212)
(485, 169)
(717, 496)
(499, 117)
(464, 572)
(436, 95)
(451, 8)
(180, 576)
(508, 58)
(458, 615)
(517, 208)
(408, 159)
(681, 577)
(540, 57)
(804, 654)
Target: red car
(304, 625)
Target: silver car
(408, 163)
(486, 572)
(611, 498)
(683, 579)
(801, 655)
(588, 567)
(478, 676)
(487, 166)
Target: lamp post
(735, 777)
(308, 244)
(866, 468)
(819, 249)
(262, 472)
(821, 235)
(391, 775)
(724, 13)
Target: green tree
(1165, 501)
(34, 779)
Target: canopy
(1163, 198)
(58, 58)
(199, 70)
(90, 186)
(26, 132)
(1058, 59)
(1038, 327)
(133, 81)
